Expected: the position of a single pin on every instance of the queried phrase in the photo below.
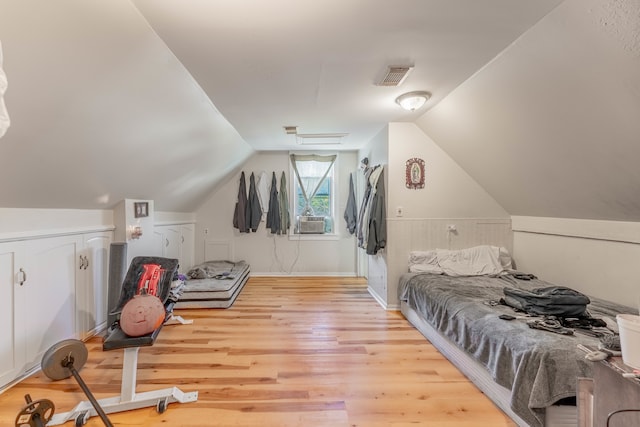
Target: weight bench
(117, 339)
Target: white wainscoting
(215, 250)
(406, 235)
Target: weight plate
(35, 414)
(55, 357)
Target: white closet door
(46, 310)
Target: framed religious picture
(141, 209)
(414, 173)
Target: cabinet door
(92, 283)
(46, 306)
(187, 248)
(9, 353)
(172, 238)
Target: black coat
(273, 216)
(239, 214)
(253, 213)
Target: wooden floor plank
(289, 352)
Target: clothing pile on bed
(213, 284)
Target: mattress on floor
(213, 284)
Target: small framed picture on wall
(141, 209)
(414, 173)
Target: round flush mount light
(411, 101)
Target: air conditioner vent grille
(311, 225)
(395, 76)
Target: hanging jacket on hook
(253, 212)
(239, 214)
(273, 216)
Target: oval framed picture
(415, 173)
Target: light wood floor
(289, 352)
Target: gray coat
(377, 236)
(351, 211)
(253, 212)
(273, 216)
(239, 214)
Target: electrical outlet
(206, 231)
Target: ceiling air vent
(291, 130)
(320, 138)
(395, 76)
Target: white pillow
(423, 257)
(475, 261)
(505, 258)
(425, 268)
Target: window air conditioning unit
(311, 225)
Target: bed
(213, 284)
(525, 371)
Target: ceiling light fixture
(411, 101)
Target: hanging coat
(273, 216)
(253, 213)
(239, 216)
(363, 216)
(350, 212)
(377, 236)
(283, 205)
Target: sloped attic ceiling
(101, 110)
(551, 127)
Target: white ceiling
(551, 127)
(538, 101)
(165, 99)
(315, 64)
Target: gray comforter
(539, 367)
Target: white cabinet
(171, 241)
(44, 279)
(91, 286)
(176, 241)
(9, 363)
(53, 288)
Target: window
(313, 193)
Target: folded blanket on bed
(212, 270)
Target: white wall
(20, 223)
(275, 254)
(449, 192)
(126, 222)
(598, 258)
(102, 110)
(550, 127)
